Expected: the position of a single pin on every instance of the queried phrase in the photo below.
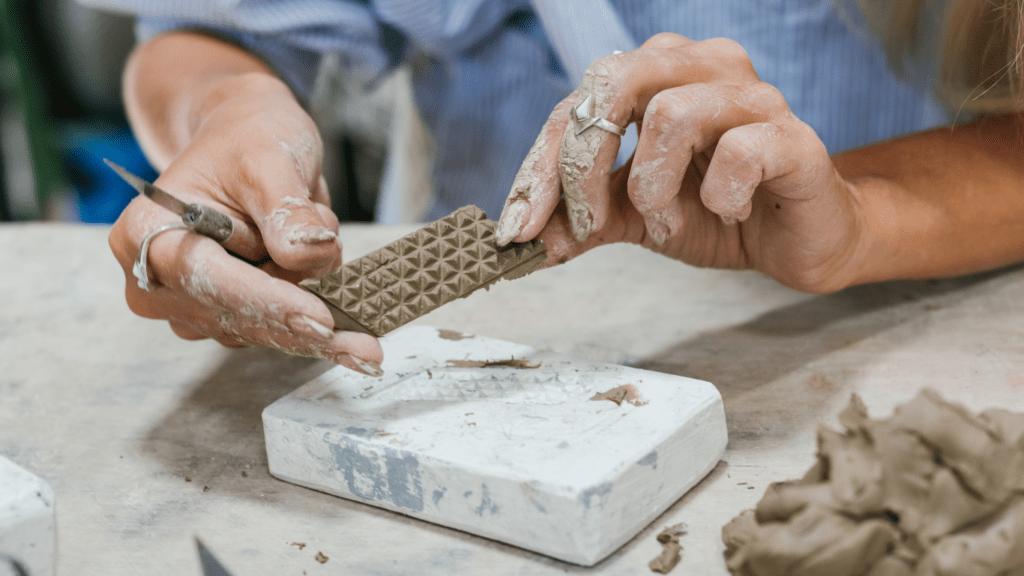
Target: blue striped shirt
(485, 77)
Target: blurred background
(61, 114)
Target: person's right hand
(254, 155)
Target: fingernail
(316, 326)
(580, 222)
(728, 220)
(511, 222)
(658, 231)
(368, 368)
(312, 235)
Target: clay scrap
(508, 363)
(447, 259)
(933, 490)
(670, 549)
(619, 394)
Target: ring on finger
(140, 268)
(583, 116)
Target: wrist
(174, 80)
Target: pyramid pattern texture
(446, 259)
(509, 384)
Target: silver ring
(582, 116)
(140, 269)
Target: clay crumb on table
(670, 549)
(933, 490)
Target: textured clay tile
(447, 259)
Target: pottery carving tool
(196, 217)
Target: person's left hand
(724, 174)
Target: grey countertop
(148, 440)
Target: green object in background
(31, 172)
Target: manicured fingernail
(511, 222)
(728, 220)
(318, 327)
(368, 368)
(658, 231)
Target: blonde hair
(979, 46)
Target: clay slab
(447, 259)
(519, 455)
(27, 526)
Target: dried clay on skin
(295, 201)
(934, 490)
(302, 153)
(199, 285)
(576, 158)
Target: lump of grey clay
(932, 491)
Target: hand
(724, 175)
(255, 155)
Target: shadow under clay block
(447, 259)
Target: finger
(222, 297)
(620, 88)
(626, 225)
(279, 195)
(186, 332)
(270, 187)
(744, 158)
(537, 188)
(679, 123)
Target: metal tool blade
(211, 567)
(152, 192)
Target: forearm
(939, 203)
(173, 81)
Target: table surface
(148, 440)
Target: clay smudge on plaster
(625, 393)
(510, 363)
(452, 335)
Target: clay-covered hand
(251, 152)
(724, 174)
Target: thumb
(299, 229)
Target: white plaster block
(523, 456)
(27, 523)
